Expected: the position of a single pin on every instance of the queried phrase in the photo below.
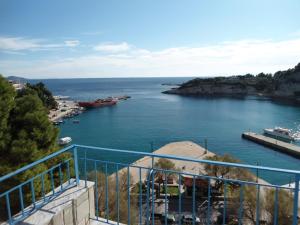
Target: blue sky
(97, 38)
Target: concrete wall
(75, 206)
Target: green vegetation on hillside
(42, 92)
(26, 135)
(283, 85)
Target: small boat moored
(58, 122)
(64, 140)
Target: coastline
(65, 108)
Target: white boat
(64, 140)
(279, 132)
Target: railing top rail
(237, 165)
(29, 166)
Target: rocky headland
(281, 85)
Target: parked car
(188, 219)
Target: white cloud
(72, 43)
(18, 43)
(227, 58)
(110, 47)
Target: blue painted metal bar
(76, 168)
(68, 172)
(276, 207)
(85, 173)
(43, 186)
(194, 200)
(257, 205)
(106, 194)
(238, 165)
(21, 199)
(225, 203)
(8, 209)
(128, 194)
(166, 187)
(52, 181)
(180, 198)
(36, 205)
(208, 202)
(60, 177)
(96, 190)
(140, 196)
(296, 200)
(240, 219)
(118, 197)
(32, 193)
(28, 181)
(35, 163)
(152, 199)
(147, 199)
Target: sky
(147, 38)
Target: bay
(150, 119)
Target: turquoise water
(152, 117)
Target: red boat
(98, 103)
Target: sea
(151, 119)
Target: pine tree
(26, 135)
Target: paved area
(186, 149)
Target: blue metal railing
(37, 201)
(142, 193)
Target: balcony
(93, 185)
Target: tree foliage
(285, 206)
(7, 95)
(254, 198)
(226, 171)
(43, 93)
(165, 164)
(107, 186)
(30, 134)
(26, 135)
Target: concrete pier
(277, 145)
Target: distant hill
(15, 78)
(283, 84)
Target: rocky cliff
(283, 84)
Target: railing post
(76, 165)
(296, 196)
(152, 162)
